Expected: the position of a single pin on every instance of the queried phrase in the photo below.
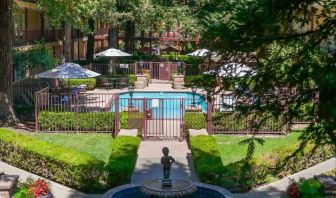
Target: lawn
(96, 145)
(232, 151)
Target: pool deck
(151, 87)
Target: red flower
(293, 190)
(38, 188)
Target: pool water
(162, 105)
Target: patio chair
(123, 82)
(106, 84)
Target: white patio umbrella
(112, 53)
(68, 71)
(201, 53)
(234, 70)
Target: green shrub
(311, 188)
(89, 82)
(60, 121)
(190, 80)
(122, 160)
(235, 122)
(62, 165)
(207, 159)
(136, 120)
(194, 120)
(131, 79)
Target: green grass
(232, 151)
(96, 145)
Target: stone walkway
(58, 190)
(148, 164)
(277, 189)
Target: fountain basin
(134, 190)
(179, 188)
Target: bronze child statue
(166, 162)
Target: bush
(194, 120)
(190, 80)
(235, 122)
(207, 159)
(135, 123)
(89, 82)
(311, 188)
(62, 165)
(69, 121)
(122, 160)
(131, 79)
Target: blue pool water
(161, 104)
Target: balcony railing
(101, 31)
(22, 36)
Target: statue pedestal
(166, 183)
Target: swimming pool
(169, 105)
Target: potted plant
(39, 189)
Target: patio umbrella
(68, 71)
(112, 53)
(201, 53)
(235, 70)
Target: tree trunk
(112, 37)
(129, 36)
(67, 42)
(7, 114)
(90, 41)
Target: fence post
(144, 135)
(116, 115)
(36, 113)
(209, 117)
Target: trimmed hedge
(242, 177)
(89, 82)
(194, 120)
(207, 158)
(235, 122)
(60, 121)
(62, 165)
(136, 120)
(122, 160)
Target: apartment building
(30, 25)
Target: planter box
(178, 81)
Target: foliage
(131, 120)
(38, 188)
(236, 122)
(207, 159)
(131, 79)
(89, 82)
(300, 59)
(122, 160)
(68, 121)
(194, 120)
(183, 58)
(293, 190)
(311, 188)
(37, 58)
(62, 165)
